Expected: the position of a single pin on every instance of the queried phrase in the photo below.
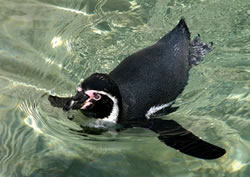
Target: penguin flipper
(175, 136)
(58, 101)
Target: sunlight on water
(48, 47)
(56, 42)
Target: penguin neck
(115, 111)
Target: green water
(48, 46)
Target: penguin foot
(198, 50)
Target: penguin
(143, 87)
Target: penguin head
(98, 96)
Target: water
(48, 46)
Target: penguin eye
(97, 96)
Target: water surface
(49, 46)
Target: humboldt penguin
(144, 86)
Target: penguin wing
(175, 136)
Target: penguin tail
(197, 50)
(182, 26)
(179, 33)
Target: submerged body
(143, 85)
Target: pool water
(49, 46)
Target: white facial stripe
(113, 117)
(155, 109)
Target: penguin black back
(158, 73)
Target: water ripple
(98, 8)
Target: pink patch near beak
(79, 89)
(92, 96)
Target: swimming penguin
(144, 86)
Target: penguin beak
(76, 102)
